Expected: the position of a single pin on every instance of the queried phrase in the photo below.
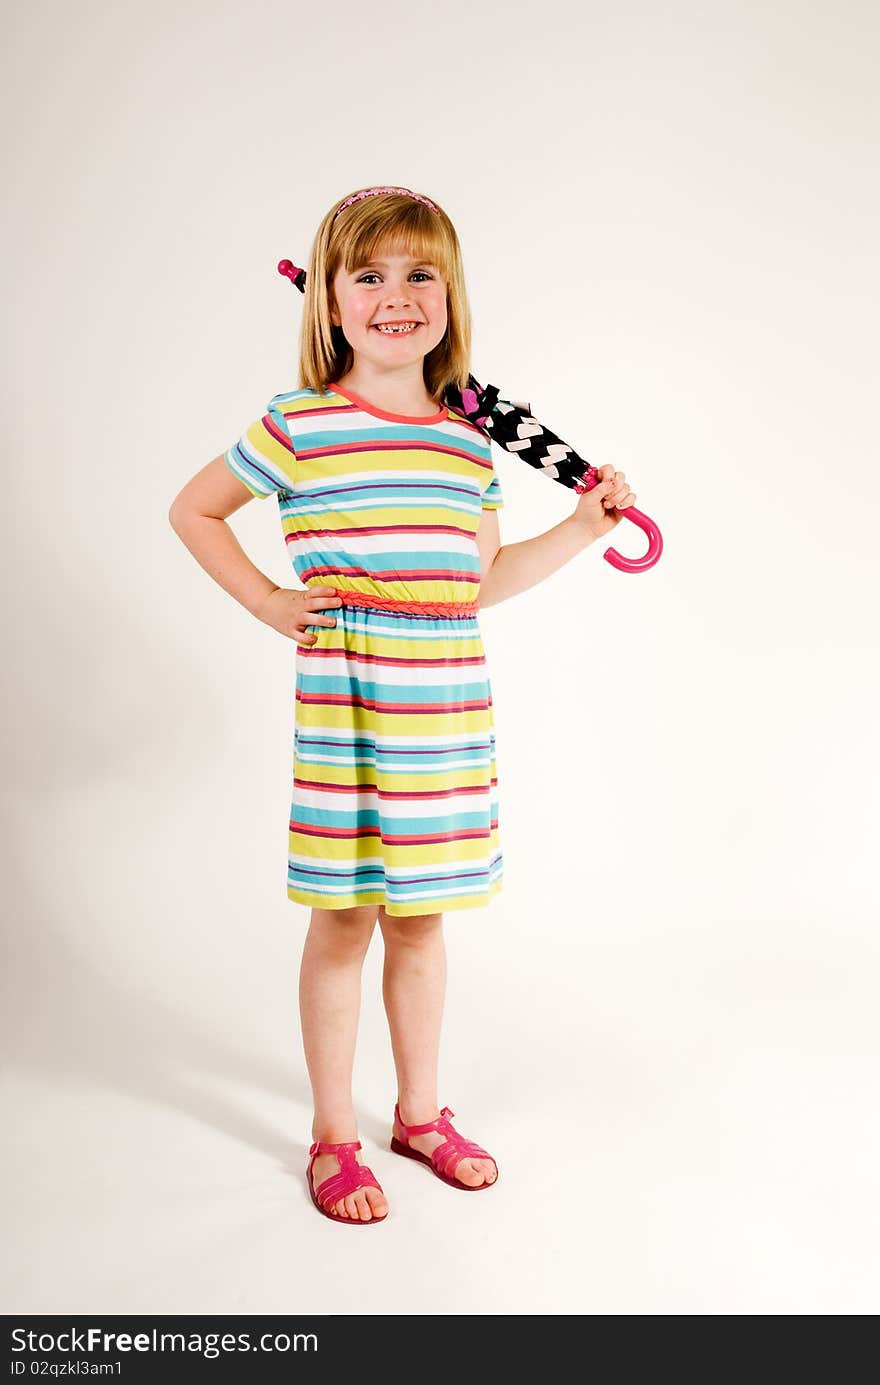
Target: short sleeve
(263, 458)
(492, 497)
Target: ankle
(416, 1111)
(335, 1131)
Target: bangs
(411, 229)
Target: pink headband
(372, 192)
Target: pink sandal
(446, 1157)
(350, 1176)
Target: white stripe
(402, 767)
(257, 482)
(352, 507)
(344, 737)
(461, 801)
(401, 874)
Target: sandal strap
(447, 1157)
(346, 1181)
(348, 1177)
(322, 1147)
(442, 1121)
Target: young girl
(388, 502)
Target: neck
(400, 392)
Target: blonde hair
(397, 224)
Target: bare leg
(414, 988)
(330, 998)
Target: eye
(372, 275)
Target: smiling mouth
(404, 329)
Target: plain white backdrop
(665, 1027)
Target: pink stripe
(306, 829)
(393, 708)
(424, 574)
(392, 660)
(272, 427)
(381, 529)
(320, 787)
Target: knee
(415, 930)
(344, 932)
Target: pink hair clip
(291, 271)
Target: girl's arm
(517, 566)
(198, 516)
(513, 568)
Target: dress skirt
(395, 790)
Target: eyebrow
(385, 263)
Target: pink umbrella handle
(655, 538)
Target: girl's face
(394, 289)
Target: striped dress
(395, 793)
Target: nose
(397, 295)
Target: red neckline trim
(383, 413)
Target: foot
(472, 1172)
(362, 1205)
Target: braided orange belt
(414, 608)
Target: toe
(490, 1173)
(481, 1170)
(351, 1206)
(365, 1211)
(377, 1201)
(469, 1172)
(339, 1208)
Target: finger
(612, 478)
(619, 495)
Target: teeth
(396, 330)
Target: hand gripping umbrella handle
(655, 538)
